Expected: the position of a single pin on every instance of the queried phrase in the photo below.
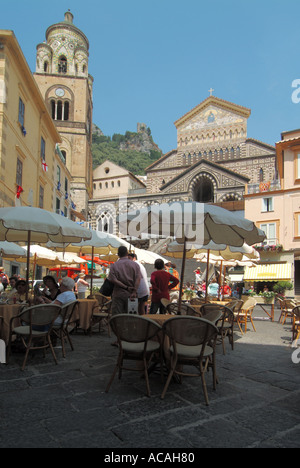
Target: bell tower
(64, 81)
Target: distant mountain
(134, 151)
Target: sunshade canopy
(17, 222)
(195, 222)
(12, 250)
(271, 272)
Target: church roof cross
(211, 91)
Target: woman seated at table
(13, 290)
(22, 288)
(50, 292)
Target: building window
(298, 166)
(41, 197)
(62, 65)
(57, 207)
(21, 118)
(297, 224)
(261, 175)
(270, 231)
(267, 204)
(43, 149)
(106, 222)
(60, 110)
(19, 172)
(45, 67)
(58, 174)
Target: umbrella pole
(34, 267)
(28, 262)
(182, 276)
(92, 271)
(220, 280)
(207, 268)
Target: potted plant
(268, 296)
(281, 286)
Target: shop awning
(269, 272)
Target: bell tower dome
(62, 75)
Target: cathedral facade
(214, 162)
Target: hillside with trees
(134, 151)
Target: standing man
(143, 291)
(126, 276)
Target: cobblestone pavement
(256, 403)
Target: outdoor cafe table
(84, 311)
(7, 311)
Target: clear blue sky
(154, 60)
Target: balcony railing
(263, 187)
(269, 245)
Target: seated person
(50, 293)
(12, 283)
(22, 288)
(66, 295)
(213, 288)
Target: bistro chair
(296, 323)
(31, 319)
(192, 343)
(243, 315)
(223, 318)
(134, 334)
(103, 315)
(61, 331)
(197, 301)
(184, 309)
(165, 302)
(287, 306)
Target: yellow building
(33, 170)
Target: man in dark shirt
(162, 282)
(126, 276)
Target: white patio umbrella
(212, 253)
(191, 222)
(34, 225)
(99, 243)
(11, 250)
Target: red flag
(45, 166)
(19, 191)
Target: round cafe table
(7, 311)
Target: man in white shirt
(143, 291)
